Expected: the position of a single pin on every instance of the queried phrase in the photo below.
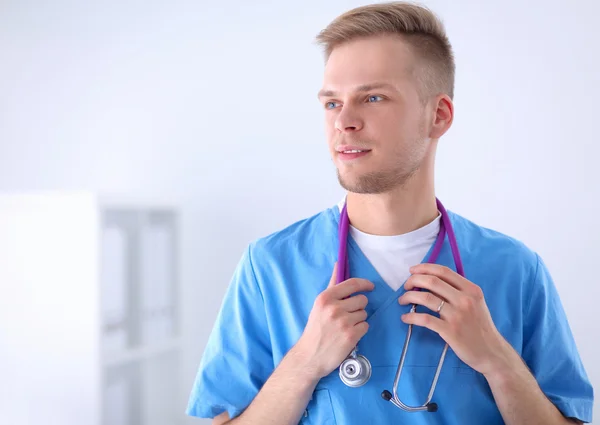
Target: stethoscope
(356, 369)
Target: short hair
(417, 25)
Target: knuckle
(477, 293)
(348, 334)
(321, 301)
(359, 330)
(331, 312)
(364, 285)
(352, 284)
(468, 303)
(430, 298)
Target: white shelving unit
(90, 328)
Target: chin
(373, 182)
(363, 184)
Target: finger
(354, 303)
(425, 320)
(442, 272)
(433, 284)
(361, 329)
(350, 286)
(333, 279)
(357, 317)
(426, 299)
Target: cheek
(386, 122)
(330, 131)
(330, 118)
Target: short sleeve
(237, 359)
(550, 351)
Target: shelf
(142, 353)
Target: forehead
(364, 60)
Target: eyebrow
(361, 88)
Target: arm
(283, 398)
(519, 397)
(335, 325)
(466, 325)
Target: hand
(335, 325)
(465, 322)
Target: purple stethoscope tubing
(355, 370)
(343, 271)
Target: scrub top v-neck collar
(382, 295)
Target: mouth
(354, 150)
(350, 154)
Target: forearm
(519, 397)
(284, 397)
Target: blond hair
(416, 24)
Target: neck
(399, 211)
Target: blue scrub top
(270, 297)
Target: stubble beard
(379, 181)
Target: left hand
(465, 322)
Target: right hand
(335, 325)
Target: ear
(443, 115)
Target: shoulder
(493, 248)
(301, 236)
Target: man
(288, 321)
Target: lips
(351, 149)
(347, 154)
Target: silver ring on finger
(439, 309)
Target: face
(378, 129)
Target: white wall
(216, 106)
(49, 240)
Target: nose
(348, 120)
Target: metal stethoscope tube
(355, 370)
(428, 406)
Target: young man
(289, 320)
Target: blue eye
(329, 103)
(374, 96)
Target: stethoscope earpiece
(432, 407)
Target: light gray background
(214, 104)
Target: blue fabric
(272, 293)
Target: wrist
(299, 362)
(507, 363)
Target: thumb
(333, 279)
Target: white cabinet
(90, 328)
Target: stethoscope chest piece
(355, 370)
